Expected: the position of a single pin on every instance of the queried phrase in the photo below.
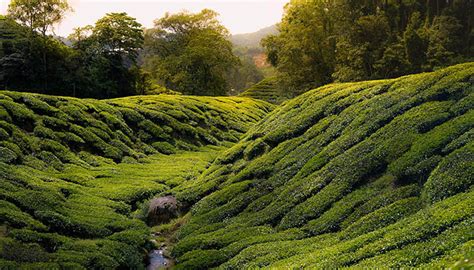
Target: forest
(340, 137)
(318, 42)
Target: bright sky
(239, 16)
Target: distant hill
(252, 40)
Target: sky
(239, 16)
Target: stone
(162, 210)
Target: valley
(348, 175)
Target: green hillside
(368, 174)
(74, 173)
(267, 90)
(357, 175)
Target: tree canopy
(189, 53)
(38, 15)
(119, 34)
(325, 41)
(100, 63)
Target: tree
(189, 53)
(91, 67)
(415, 42)
(108, 54)
(304, 49)
(119, 34)
(21, 60)
(444, 41)
(345, 40)
(359, 50)
(246, 73)
(80, 34)
(39, 16)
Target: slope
(267, 90)
(74, 173)
(365, 174)
(252, 40)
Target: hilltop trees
(31, 62)
(186, 52)
(39, 16)
(100, 63)
(325, 41)
(108, 52)
(189, 53)
(119, 34)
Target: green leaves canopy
(189, 53)
(324, 41)
(119, 34)
(38, 15)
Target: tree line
(320, 42)
(184, 52)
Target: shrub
(164, 148)
(454, 174)
(51, 159)
(38, 105)
(4, 115)
(7, 155)
(19, 112)
(44, 132)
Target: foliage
(73, 173)
(347, 175)
(38, 16)
(189, 53)
(320, 42)
(101, 62)
(267, 89)
(118, 33)
(244, 74)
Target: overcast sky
(239, 16)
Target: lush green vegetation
(348, 175)
(185, 52)
(344, 41)
(268, 89)
(375, 172)
(99, 61)
(190, 53)
(75, 173)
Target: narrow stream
(157, 260)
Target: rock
(162, 210)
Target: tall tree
(346, 40)
(108, 52)
(39, 16)
(304, 49)
(190, 53)
(119, 34)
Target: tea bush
(378, 169)
(73, 172)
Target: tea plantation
(267, 90)
(355, 175)
(74, 173)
